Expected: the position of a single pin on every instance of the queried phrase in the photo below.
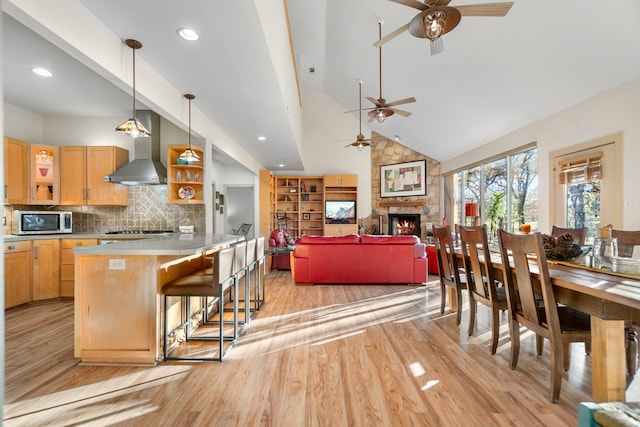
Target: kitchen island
(118, 309)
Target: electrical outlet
(117, 264)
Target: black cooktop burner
(140, 232)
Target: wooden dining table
(610, 299)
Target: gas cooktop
(140, 232)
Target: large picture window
(501, 193)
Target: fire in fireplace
(404, 224)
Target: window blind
(581, 169)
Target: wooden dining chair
(627, 240)
(451, 273)
(482, 280)
(561, 325)
(579, 234)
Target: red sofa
(360, 259)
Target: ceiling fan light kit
(133, 127)
(380, 114)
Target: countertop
(171, 244)
(99, 236)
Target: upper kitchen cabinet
(16, 174)
(82, 176)
(44, 175)
(185, 180)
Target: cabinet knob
(11, 247)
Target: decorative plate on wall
(187, 192)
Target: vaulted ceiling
(495, 75)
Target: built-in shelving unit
(298, 203)
(185, 182)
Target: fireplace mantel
(404, 203)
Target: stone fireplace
(404, 224)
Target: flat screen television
(340, 211)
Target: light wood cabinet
(341, 187)
(67, 263)
(16, 171)
(82, 176)
(44, 174)
(341, 180)
(45, 283)
(185, 182)
(340, 229)
(17, 273)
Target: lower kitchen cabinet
(17, 273)
(45, 283)
(67, 263)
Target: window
(504, 189)
(585, 189)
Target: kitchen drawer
(17, 246)
(67, 246)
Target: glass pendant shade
(133, 127)
(380, 114)
(189, 156)
(434, 24)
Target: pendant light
(133, 127)
(189, 156)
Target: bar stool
(240, 272)
(251, 266)
(260, 271)
(207, 283)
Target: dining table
(611, 299)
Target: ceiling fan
(437, 18)
(382, 108)
(360, 143)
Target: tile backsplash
(148, 210)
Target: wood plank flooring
(326, 355)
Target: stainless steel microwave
(41, 222)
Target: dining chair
(451, 274)
(579, 234)
(627, 240)
(482, 280)
(522, 257)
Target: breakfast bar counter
(117, 310)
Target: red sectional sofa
(360, 259)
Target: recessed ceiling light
(262, 138)
(42, 72)
(188, 34)
(280, 165)
(397, 138)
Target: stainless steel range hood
(146, 168)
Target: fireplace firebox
(400, 224)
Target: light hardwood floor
(326, 355)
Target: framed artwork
(221, 200)
(217, 206)
(306, 216)
(221, 209)
(217, 195)
(403, 179)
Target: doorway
(239, 208)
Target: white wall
(23, 125)
(617, 110)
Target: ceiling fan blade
(400, 102)
(440, 2)
(361, 109)
(412, 3)
(401, 112)
(373, 101)
(436, 46)
(392, 35)
(487, 9)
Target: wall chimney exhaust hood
(146, 168)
